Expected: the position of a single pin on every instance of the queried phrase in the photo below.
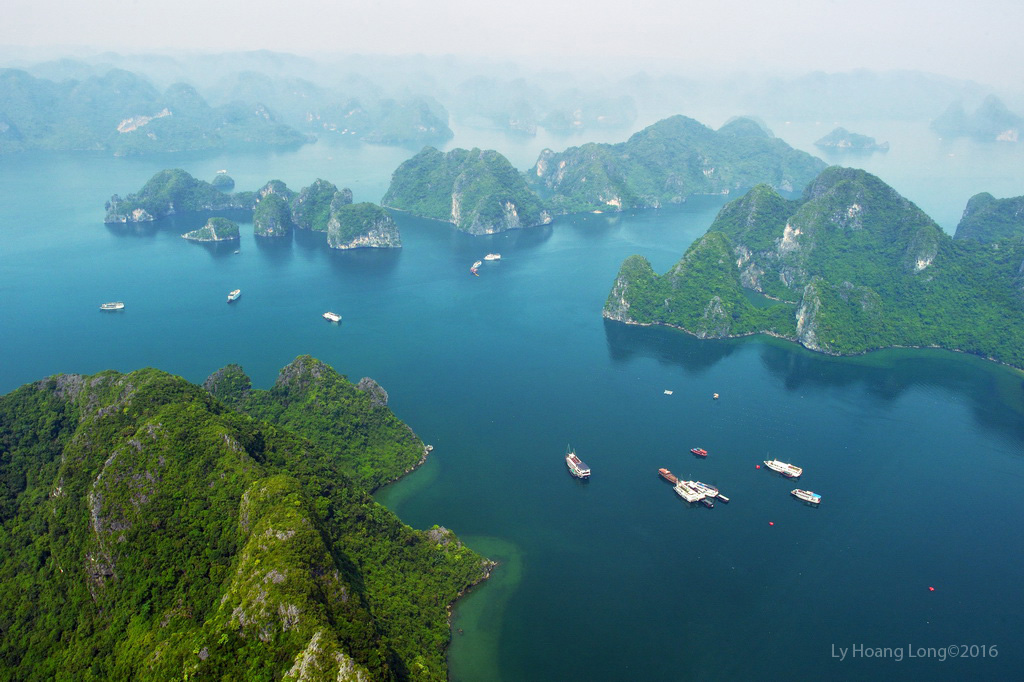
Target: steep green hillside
(987, 219)
(667, 162)
(477, 191)
(850, 267)
(149, 531)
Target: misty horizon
(786, 38)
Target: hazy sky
(979, 39)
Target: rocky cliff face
(311, 208)
(378, 396)
(476, 190)
(272, 216)
(360, 226)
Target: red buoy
(758, 466)
(772, 523)
(931, 589)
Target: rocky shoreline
(810, 348)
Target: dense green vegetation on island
(276, 209)
(272, 216)
(476, 190)
(172, 191)
(843, 140)
(852, 266)
(354, 225)
(987, 219)
(667, 162)
(150, 530)
(311, 209)
(215, 230)
(352, 420)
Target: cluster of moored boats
(698, 491)
(694, 491)
(792, 471)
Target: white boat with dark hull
(233, 295)
(806, 496)
(577, 467)
(332, 317)
(685, 491)
(113, 305)
(787, 470)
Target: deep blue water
(919, 455)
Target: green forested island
(843, 140)
(276, 209)
(154, 530)
(987, 219)
(353, 226)
(476, 190)
(667, 162)
(849, 267)
(215, 230)
(173, 191)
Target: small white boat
(667, 392)
(477, 264)
(493, 256)
(333, 317)
(806, 496)
(113, 305)
(787, 470)
(577, 467)
(233, 295)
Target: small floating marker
(771, 523)
(758, 466)
(931, 589)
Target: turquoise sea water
(919, 455)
